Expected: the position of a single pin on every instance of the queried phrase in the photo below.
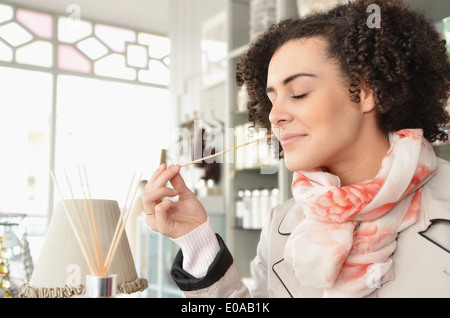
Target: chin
(297, 163)
(293, 165)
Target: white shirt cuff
(200, 247)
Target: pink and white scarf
(346, 240)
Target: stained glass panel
(137, 56)
(70, 31)
(70, 59)
(39, 53)
(93, 48)
(39, 23)
(113, 65)
(115, 38)
(14, 34)
(88, 48)
(6, 13)
(159, 46)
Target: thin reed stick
(115, 244)
(119, 222)
(83, 230)
(89, 207)
(225, 151)
(72, 224)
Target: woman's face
(312, 114)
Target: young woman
(355, 108)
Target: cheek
(331, 132)
(337, 116)
(335, 131)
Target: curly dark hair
(404, 61)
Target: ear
(367, 100)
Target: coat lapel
(286, 275)
(291, 219)
(289, 216)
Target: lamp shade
(61, 269)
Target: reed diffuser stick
(72, 224)
(225, 151)
(80, 222)
(120, 228)
(119, 222)
(89, 207)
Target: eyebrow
(290, 79)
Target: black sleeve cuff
(217, 269)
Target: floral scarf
(346, 240)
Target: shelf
(249, 229)
(243, 242)
(239, 27)
(236, 53)
(256, 168)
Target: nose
(278, 114)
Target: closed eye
(299, 96)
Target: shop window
(77, 92)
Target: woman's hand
(171, 218)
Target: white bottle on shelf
(256, 209)
(265, 206)
(240, 209)
(274, 198)
(247, 218)
(251, 151)
(239, 160)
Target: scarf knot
(346, 240)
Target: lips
(288, 139)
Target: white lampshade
(61, 268)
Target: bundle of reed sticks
(88, 238)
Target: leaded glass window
(29, 37)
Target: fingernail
(174, 167)
(161, 167)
